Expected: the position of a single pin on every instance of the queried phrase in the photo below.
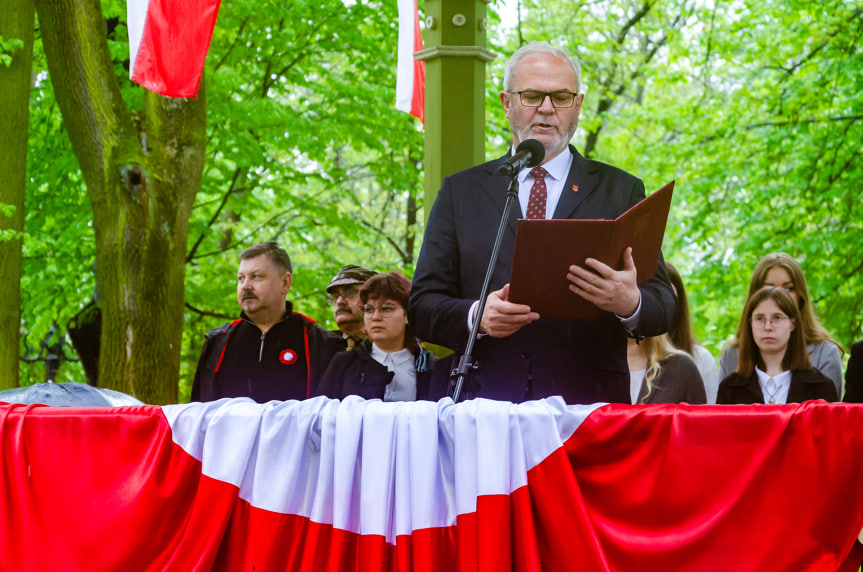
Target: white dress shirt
(403, 387)
(557, 171)
(775, 388)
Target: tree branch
(227, 195)
(233, 44)
(207, 312)
(804, 121)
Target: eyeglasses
(761, 322)
(386, 310)
(346, 293)
(559, 99)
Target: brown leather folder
(545, 249)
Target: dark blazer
(356, 372)
(678, 382)
(854, 375)
(582, 360)
(806, 385)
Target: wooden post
(455, 56)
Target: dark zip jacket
(357, 373)
(286, 362)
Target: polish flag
(168, 42)
(410, 73)
(328, 485)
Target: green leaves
(8, 49)
(754, 108)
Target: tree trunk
(16, 23)
(141, 198)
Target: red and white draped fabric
(168, 43)
(324, 485)
(410, 72)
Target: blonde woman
(782, 271)
(660, 373)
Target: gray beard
(557, 145)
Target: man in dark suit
(854, 375)
(521, 356)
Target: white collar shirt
(558, 170)
(403, 386)
(775, 388)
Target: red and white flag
(410, 73)
(168, 43)
(324, 485)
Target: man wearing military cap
(343, 293)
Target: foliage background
(754, 108)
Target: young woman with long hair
(782, 271)
(773, 365)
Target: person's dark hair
(796, 356)
(273, 251)
(396, 287)
(680, 332)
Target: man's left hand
(611, 290)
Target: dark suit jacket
(583, 360)
(854, 375)
(806, 385)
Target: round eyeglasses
(761, 322)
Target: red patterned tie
(536, 202)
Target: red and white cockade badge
(288, 357)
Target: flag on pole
(411, 73)
(328, 485)
(168, 43)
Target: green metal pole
(455, 57)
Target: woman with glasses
(782, 271)
(389, 364)
(773, 365)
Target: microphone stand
(465, 364)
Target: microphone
(529, 153)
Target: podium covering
(482, 485)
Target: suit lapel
(754, 388)
(582, 181)
(798, 391)
(494, 186)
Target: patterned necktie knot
(538, 194)
(538, 173)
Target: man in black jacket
(270, 352)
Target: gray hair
(539, 48)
